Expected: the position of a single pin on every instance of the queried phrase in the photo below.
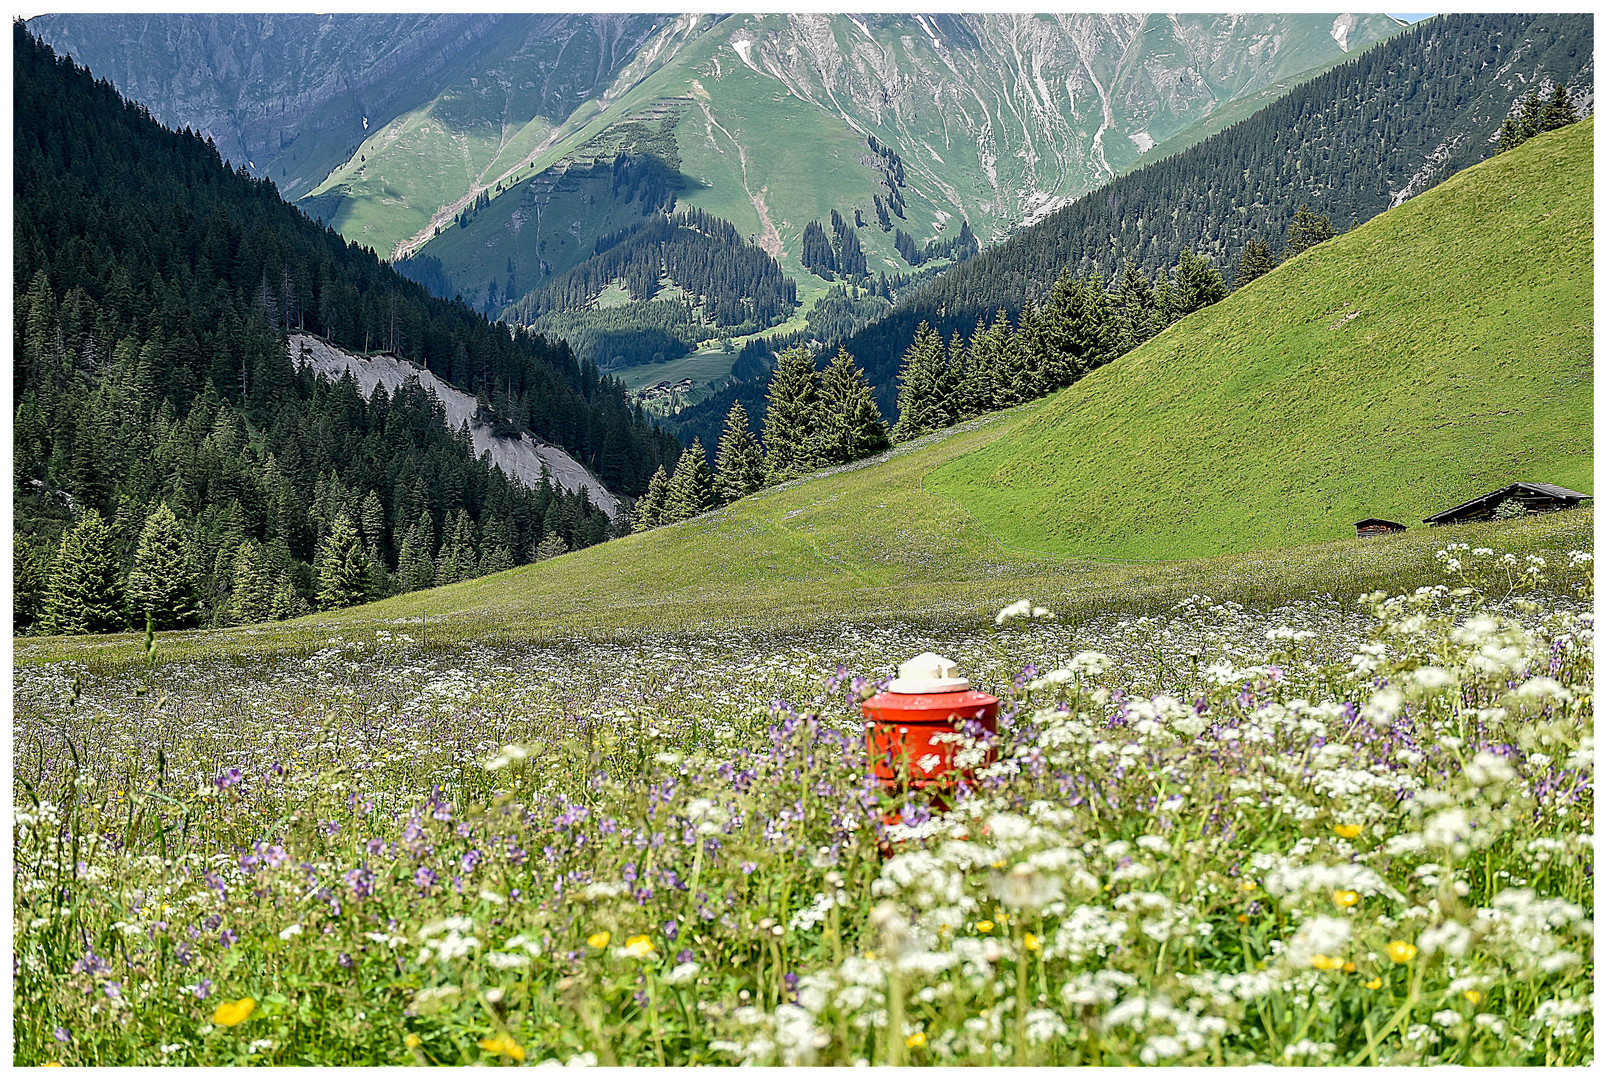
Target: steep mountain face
(389, 127)
(400, 111)
(1352, 143)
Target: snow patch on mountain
(523, 459)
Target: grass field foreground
(1322, 833)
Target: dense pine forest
(1349, 144)
(739, 287)
(157, 409)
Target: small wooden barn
(1534, 498)
(1378, 527)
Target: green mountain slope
(993, 119)
(1436, 352)
(1269, 420)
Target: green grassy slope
(1436, 352)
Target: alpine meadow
(803, 540)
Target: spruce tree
(1060, 325)
(921, 407)
(851, 427)
(1510, 135)
(961, 390)
(373, 520)
(691, 490)
(1529, 114)
(1255, 260)
(1033, 350)
(1306, 231)
(163, 583)
(415, 565)
(30, 576)
(552, 545)
(1136, 313)
(650, 507)
(1558, 111)
(252, 599)
(342, 567)
(1198, 283)
(983, 370)
(288, 603)
(84, 596)
(739, 463)
(791, 416)
(498, 559)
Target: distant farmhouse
(1378, 527)
(1514, 500)
(666, 388)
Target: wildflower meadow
(1337, 832)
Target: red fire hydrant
(929, 698)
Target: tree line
(156, 288)
(812, 419)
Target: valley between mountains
(803, 540)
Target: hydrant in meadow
(903, 724)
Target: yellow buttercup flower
(1401, 951)
(638, 946)
(1242, 918)
(1327, 963)
(1032, 943)
(233, 1013)
(917, 1039)
(503, 1045)
(1349, 832)
(1473, 996)
(53, 1065)
(411, 1040)
(599, 940)
(984, 926)
(1346, 897)
(1374, 983)
(1350, 968)
(1247, 885)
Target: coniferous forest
(154, 395)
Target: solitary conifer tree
(650, 507)
(790, 416)
(342, 567)
(163, 582)
(691, 489)
(1255, 260)
(739, 464)
(851, 427)
(84, 597)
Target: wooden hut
(1378, 527)
(1534, 498)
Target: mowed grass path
(1439, 351)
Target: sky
(1411, 18)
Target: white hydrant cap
(928, 673)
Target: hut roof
(1378, 521)
(1507, 492)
